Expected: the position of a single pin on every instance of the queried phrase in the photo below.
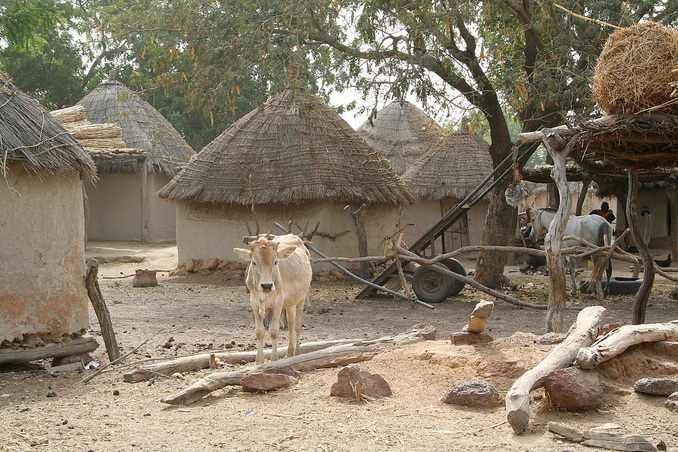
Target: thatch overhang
(31, 137)
(638, 141)
(401, 133)
(143, 127)
(297, 149)
(457, 165)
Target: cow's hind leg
(295, 312)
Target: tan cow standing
(278, 277)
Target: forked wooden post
(97, 299)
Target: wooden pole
(555, 312)
(97, 299)
(359, 225)
(144, 200)
(643, 294)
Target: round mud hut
(123, 205)
(305, 163)
(42, 228)
(443, 177)
(401, 133)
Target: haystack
(635, 70)
(42, 267)
(306, 163)
(123, 205)
(401, 133)
(444, 176)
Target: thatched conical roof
(453, 168)
(297, 149)
(143, 127)
(401, 133)
(30, 136)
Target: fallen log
(620, 339)
(338, 355)
(582, 333)
(76, 346)
(202, 361)
(606, 440)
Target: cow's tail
(605, 238)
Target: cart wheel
(455, 266)
(431, 286)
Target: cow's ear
(286, 252)
(245, 254)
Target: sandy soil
(205, 313)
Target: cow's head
(263, 256)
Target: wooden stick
(101, 369)
(99, 305)
(338, 355)
(606, 440)
(620, 339)
(582, 333)
(76, 346)
(202, 360)
(599, 22)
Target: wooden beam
(77, 346)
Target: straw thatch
(30, 136)
(646, 141)
(297, 149)
(453, 168)
(401, 133)
(143, 127)
(635, 70)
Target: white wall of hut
(206, 231)
(42, 251)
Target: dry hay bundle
(635, 70)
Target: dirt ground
(196, 314)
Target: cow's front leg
(273, 330)
(259, 331)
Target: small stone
(574, 389)
(51, 394)
(263, 382)
(661, 445)
(178, 375)
(674, 293)
(479, 394)
(147, 414)
(656, 386)
(470, 338)
(367, 384)
(551, 338)
(116, 392)
(209, 264)
(672, 402)
(425, 330)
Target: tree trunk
(555, 312)
(643, 293)
(361, 234)
(586, 182)
(499, 230)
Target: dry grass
(635, 70)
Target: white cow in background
(278, 277)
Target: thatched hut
(306, 164)
(123, 204)
(42, 290)
(401, 133)
(442, 177)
